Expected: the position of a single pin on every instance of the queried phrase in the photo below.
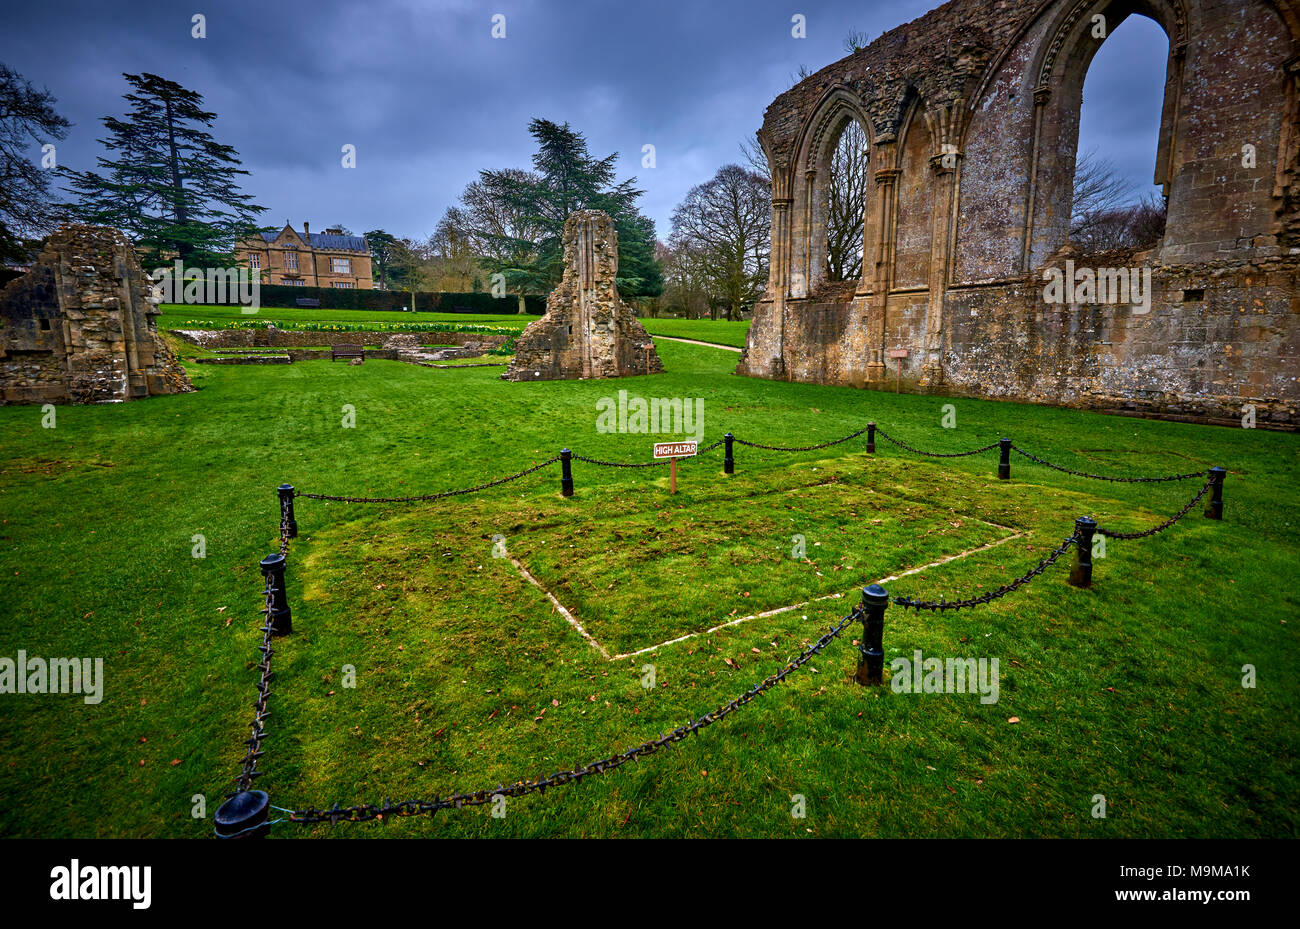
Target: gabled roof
(345, 243)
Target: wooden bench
(347, 351)
(310, 302)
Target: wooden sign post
(899, 354)
(672, 451)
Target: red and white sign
(676, 449)
(898, 353)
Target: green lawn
(466, 676)
(194, 317)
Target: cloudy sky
(429, 97)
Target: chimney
(306, 229)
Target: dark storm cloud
(429, 98)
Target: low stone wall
(1215, 342)
(293, 338)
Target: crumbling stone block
(80, 327)
(588, 331)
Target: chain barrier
(942, 605)
(248, 768)
(365, 812)
(803, 448)
(1104, 477)
(974, 451)
(622, 464)
(437, 496)
(645, 464)
(284, 528)
(1166, 524)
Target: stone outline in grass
(604, 653)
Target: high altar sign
(675, 449)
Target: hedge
(332, 298)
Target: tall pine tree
(565, 178)
(167, 183)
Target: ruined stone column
(588, 331)
(79, 326)
(887, 214)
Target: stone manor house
(309, 259)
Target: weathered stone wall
(79, 327)
(587, 331)
(292, 338)
(971, 114)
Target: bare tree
(846, 201)
(855, 41)
(756, 158)
(1103, 214)
(1098, 189)
(722, 232)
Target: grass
(466, 677)
(189, 317)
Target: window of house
(290, 258)
(255, 262)
(343, 285)
(341, 265)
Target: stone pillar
(588, 331)
(886, 217)
(781, 254)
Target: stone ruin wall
(971, 114)
(587, 331)
(79, 327)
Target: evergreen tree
(26, 115)
(565, 178)
(167, 183)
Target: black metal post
(243, 816)
(566, 473)
(728, 461)
(286, 509)
(1081, 574)
(871, 667)
(1004, 465)
(273, 570)
(1214, 509)
(871, 438)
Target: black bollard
(1081, 573)
(728, 461)
(1004, 465)
(243, 816)
(1214, 509)
(566, 473)
(871, 667)
(871, 438)
(286, 509)
(273, 570)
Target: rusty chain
(943, 605)
(1104, 477)
(974, 451)
(520, 788)
(1166, 524)
(248, 768)
(437, 496)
